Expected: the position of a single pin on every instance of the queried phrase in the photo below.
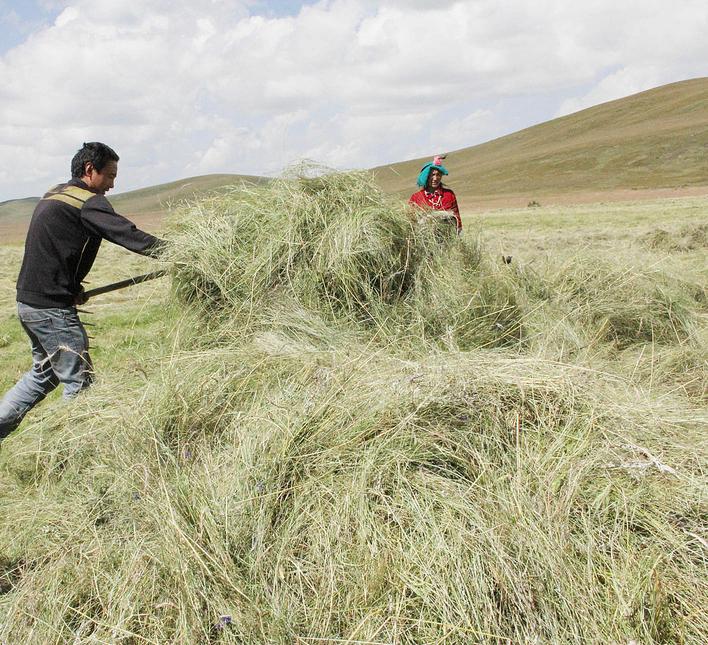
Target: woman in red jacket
(433, 195)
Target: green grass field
(328, 427)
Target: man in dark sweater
(63, 239)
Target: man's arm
(100, 219)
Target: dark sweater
(64, 235)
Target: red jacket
(443, 199)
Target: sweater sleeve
(101, 220)
(456, 210)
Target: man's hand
(80, 298)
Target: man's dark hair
(99, 154)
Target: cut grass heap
(337, 247)
(359, 439)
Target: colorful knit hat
(425, 170)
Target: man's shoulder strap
(68, 194)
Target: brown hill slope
(151, 201)
(657, 139)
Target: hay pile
(688, 238)
(338, 248)
(357, 440)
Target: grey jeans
(59, 355)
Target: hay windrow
(312, 494)
(589, 303)
(688, 238)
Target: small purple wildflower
(223, 622)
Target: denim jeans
(59, 355)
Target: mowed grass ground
(275, 475)
(666, 238)
(629, 231)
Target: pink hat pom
(438, 159)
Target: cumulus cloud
(181, 87)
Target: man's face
(101, 181)
(435, 178)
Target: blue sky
(18, 19)
(189, 87)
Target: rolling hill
(649, 144)
(145, 206)
(151, 202)
(649, 141)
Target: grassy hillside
(652, 140)
(16, 210)
(338, 425)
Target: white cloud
(616, 85)
(65, 17)
(469, 127)
(183, 87)
(646, 49)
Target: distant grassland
(154, 201)
(16, 211)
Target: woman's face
(434, 178)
